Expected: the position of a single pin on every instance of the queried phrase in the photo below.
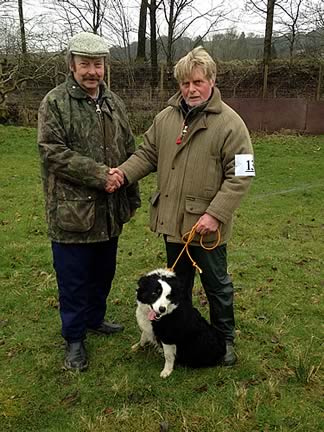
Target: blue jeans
(84, 274)
(215, 280)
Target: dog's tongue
(151, 315)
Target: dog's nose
(162, 309)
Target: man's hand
(207, 224)
(115, 179)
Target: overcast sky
(241, 20)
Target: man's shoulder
(56, 93)
(229, 113)
(117, 100)
(165, 113)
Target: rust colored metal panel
(285, 114)
(251, 110)
(271, 114)
(315, 118)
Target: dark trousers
(84, 274)
(214, 278)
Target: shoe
(107, 328)
(75, 356)
(230, 358)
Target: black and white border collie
(166, 318)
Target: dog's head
(160, 289)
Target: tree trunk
(22, 27)
(267, 44)
(141, 52)
(170, 35)
(153, 41)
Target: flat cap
(88, 45)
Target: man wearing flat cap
(82, 132)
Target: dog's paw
(136, 347)
(165, 373)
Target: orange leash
(187, 239)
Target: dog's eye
(168, 297)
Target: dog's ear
(144, 286)
(143, 282)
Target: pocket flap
(196, 205)
(75, 215)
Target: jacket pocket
(123, 206)
(75, 215)
(154, 201)
(194, 208)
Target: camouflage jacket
(79, 139)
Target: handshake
(115, 179)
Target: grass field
(276, 259)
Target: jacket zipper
(99, 112)
(184, 130)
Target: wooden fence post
(265, 81)
(161, 85)
(319, 84)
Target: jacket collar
(214, 105)
(77, 92)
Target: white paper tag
(244, 165)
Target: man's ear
(72, 65)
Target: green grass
(275, 258)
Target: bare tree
(265, 8)
(8, 14)
(153, 7)
(141, 40)
(181, 15)
(85, 15)
(290, 22)
(22, 27)
(314, 14)
(17, 71)
(119, 25)
(6, 8)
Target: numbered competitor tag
(244, 165)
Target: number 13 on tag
(244, 165)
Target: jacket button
(166, 196)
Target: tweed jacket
(79, 139)
(194, 156)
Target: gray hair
(198, 57)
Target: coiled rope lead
(187, 239)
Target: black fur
(198, 343)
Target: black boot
(75, 356)
(230, 358)
(107, 328)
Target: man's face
(196, 89)
(88, 72)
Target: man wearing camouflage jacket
(82, 131)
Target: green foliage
(276, 261)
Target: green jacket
(196, 175)
(78, 141)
